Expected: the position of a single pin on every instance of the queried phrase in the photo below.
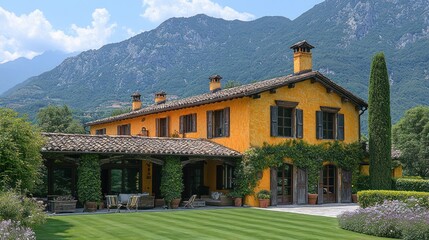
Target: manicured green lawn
(234, 223)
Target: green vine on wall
(302, 154)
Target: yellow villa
(212, 130)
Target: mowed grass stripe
(233, 223)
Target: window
(218, 123)
(224, 176)
(286, 120)
(162, 127)
(100, 131)
(329, 124)
(124, 129)
(188, 123)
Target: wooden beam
(256, 96)
(329, 90)
(291, 85)
(273, 91)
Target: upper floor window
(101, 131)
(218, 123)
(329, 124)
(188, 123)
(162, 127)
(124, 129)
(286, 120)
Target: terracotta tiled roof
(235, 92)
(71, 143)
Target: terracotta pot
(175, 203)
(312, 198)
(238, 201)
(90, 206)
(354, 198)
(263, 203)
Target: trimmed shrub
(172, 179)
(18, 208)
(394, 219)
(89, 180)
(10, 230)
(370, 198)
(418, 185)
(362, 183)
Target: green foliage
(172, 179)
(264, 194)
(17, 207)
(369, 198)
(89, 181)
(58, 119)
(379, 124)
(231, 84)
(20, 158)
(411, 136)
(361, 183)
(120, 111)
(418, 185)
(305, 156)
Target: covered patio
(133, 164)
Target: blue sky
(28, 28)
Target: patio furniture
(62, 204)
(190, 202)
(217, 199)
(112, 201)
(146, 201)
(133, 202)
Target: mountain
(17, 71)
(182, 53)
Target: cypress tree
(379, 125)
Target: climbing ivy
(303, 155)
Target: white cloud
(159, 10)
(32, 34)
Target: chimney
(160, 97)
(215, 83)
(302, 60)
(137, 103)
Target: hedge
(370, 198)
(418, 185)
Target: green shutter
(274, 121)
(340, 126)
(157, 121)
(319, 124)
(226, 123)
(299, 123)
(209, 124)
(181, 124)
(194, 122)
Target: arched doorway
(329, 184)
(284, 184)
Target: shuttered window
(100, 131)
(218, 123)
(286, 122)
(124, 129)
(329, 125)
(162, 127)
(224, 177)
(188, 123)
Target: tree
(411, 136)
(20, 145)
(58, 119)
(379, 125)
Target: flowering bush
(10, 230)
(18, 208)
(395, 219)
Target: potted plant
(238, 198)
(172, 181)
(264, 198)
(89, 182)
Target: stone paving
(327, 210)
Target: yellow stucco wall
(250, 123)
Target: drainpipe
(362, 109)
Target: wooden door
(346, 186)
(329, 184)
(301, 186)
(284, 184)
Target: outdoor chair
(133, 202)
(112, 201)
(190, 202)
